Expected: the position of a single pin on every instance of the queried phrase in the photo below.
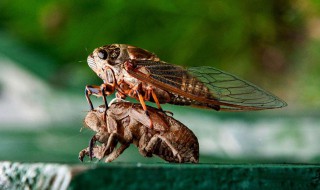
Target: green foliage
(188, 33)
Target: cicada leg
(102, 90)
(143, 104)
(104, 97)
(92, 142)
(96, 153)
(150, 148)
(155, 98)
(89, 90)
(136, 92)
(116, 152)
(83, 153)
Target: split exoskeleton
(126, 123)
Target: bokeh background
(274, 44)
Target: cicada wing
(162, 72)
(233, 90)
(205, 86)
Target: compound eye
(102, 54)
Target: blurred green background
(274, 44)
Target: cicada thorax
(140, 54)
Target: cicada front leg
(97, 152)
(83, 153)
(92, 142)
(89, 90)
(102, 90)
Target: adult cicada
(140, 74)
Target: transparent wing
(233, 90)
(206, 86)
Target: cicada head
(94, 121)
(107, 57)
(114, 56)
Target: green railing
(159, 176)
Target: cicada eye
(102, 54)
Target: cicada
(127, 124)
(140, 74)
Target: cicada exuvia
(127, 124)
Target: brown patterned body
(191, 85)
(173, 76)
(140, 74)
(127, 123)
